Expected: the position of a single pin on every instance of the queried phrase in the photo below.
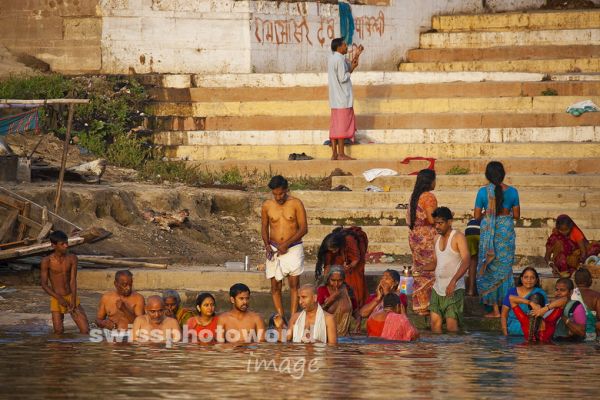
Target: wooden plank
(42, 248)
(25, 242)
(122, 263)
(7, 225)
(23, 217)
(29, 222)
(44, 232)
(9, 201)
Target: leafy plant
(549, 92)
(458, 170)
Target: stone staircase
(458, 109)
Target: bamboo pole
(63, 162)
(121, 263)
(47, 101)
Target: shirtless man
(283, 226)
(60, 268)
(119, 308)
(312, 324)
(591, 298)
(155, 326)
(239, 324)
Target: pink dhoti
(343, 123)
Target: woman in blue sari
(528, 284)
(497, 206)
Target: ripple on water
(447, 366)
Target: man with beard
(283, 226)
(155, 326)
(240, 325)
(120, 307)
(450, 262)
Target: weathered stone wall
(62, 33)
(217, 36)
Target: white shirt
(448, 262)
(340, 86)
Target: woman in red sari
(341, 247)
(204, 325)
(421, 238)
(567, 246)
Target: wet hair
(583, 277)
(494, 172)
(336, 43)
(58, 237)
(122, 272)
(336, 239)
(278, 181)
(443, 213)
(237, 289)
(424, 183)
(568, 282)
(564, 220)
(272, 321)
(171, 293)
(395, 274)
(391, 300)
(203, 296)
(537, 276)
(333, 270)
(538, 299)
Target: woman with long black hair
(421, 238)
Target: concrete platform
(462, 120)
(383, 151)
(382, 136)
(474, 181)
(322, 168)
(518, 105)
(530, 20)
(565, 199)
(558, 65)
(566, 37)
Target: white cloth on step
(317, 332)
(377, 172)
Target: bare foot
(334, 157)
(491, 315)
(345, 157)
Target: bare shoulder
(459, 235)
(294, 201)
(294, 318)
(255, 315)
(171, 323)
(135, 296)
(328, 316)
(107, 296)
(223, 317)
(268, 203)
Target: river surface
(468, 366)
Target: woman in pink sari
(421, 238)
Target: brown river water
(467, 366)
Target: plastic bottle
(406, 282)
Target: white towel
(376, 172)
(318, 332)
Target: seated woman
(567, 247)
(334, 297)
(528, 284)
(204, 325)
(562, 319)
(391, 323)
(174, 309)
(387, 284)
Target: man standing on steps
(283, 227)
(343, 123)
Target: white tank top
(448, 262)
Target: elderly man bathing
(155, 326)
(312, 324)
(120, 307)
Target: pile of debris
(26, 225)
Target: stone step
(385, 151)
(399, 234)
(375, 121)
(502, 53)
(419, 90)
(381, 136)
(402, 248)
(530, 216)
(587, 65)
(519, 105)
(322, 168)
(560, 199)
(514, 21)
(563, 37)
(473, 182)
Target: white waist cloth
(317, 332)
(290, 263)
